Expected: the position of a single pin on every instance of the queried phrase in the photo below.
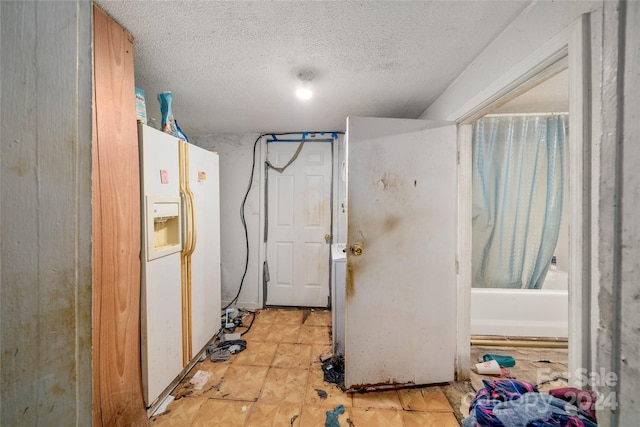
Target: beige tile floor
(275, 382)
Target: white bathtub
(523, 312)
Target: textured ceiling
(232, 65)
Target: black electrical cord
(244, 202)
(244, 223)
(250, 324)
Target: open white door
(400, 305)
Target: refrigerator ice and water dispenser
(164, 230)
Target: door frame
(570, 48)
(262, 176)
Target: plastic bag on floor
(333, 369)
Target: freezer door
(161, 293)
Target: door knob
(356, 249)
(327, 238)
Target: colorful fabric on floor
(583, 399)
(511, 403)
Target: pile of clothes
(511, 403)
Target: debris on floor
(226, 341)
(333, 369)
(493, 368)
(199, 379)
(332, 416)
(490, 367)
(218, 354)
(511, 403)
(222, 350)
(239, 390)
(163, 406)
(184, 390)
(321, 394)
(232, 318)
(324, 356)
(504, 361)
(505, 373)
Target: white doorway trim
(569, 48)
(262, 252)
(261, 157)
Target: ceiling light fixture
(304, 90)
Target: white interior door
(400, 302)
(299, 218)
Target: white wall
(45, 276)
(236, 152)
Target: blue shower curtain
(518, 179)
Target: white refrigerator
(180, 287)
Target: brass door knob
(327, 238)
(356, 249)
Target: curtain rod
(526, 114)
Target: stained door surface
(400, 301)
(299, 218)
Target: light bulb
(304, 93)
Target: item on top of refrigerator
(141, 107)
(168, 124)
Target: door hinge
(457, 267)
(458, 157)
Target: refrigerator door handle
(192, 221)
(187, 223)
(182, 153)
(191, 211)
